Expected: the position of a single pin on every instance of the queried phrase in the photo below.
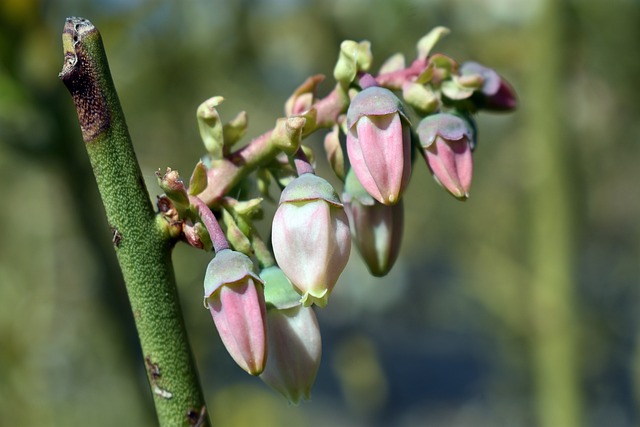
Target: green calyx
(278, 290)
(308, 187)
(227, 267)
(374, 101)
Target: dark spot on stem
(153, 368)
(196, 418)
(116, 237)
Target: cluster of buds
(266, 320)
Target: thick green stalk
(142, 244)
(556, 367)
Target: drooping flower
(311, 238)
(447, 141)
(235, 297)
(295, 346)
(376, 229)
(496, 93)
(379, 143)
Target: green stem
(301, 162)
(140, 237)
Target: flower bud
(333, 148)
(210, 126)
(302, 98)
(496, 93)
(234, 295)
(379, 143)
(287, 135)
(197, 235)
(353, 57)
(173, 187)
(376, 229)
(311, 239)
(446, 141)
(295, 350)
(295, 345)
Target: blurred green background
(516, 308)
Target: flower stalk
(211, 223)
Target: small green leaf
(453, 90)
(263, 181)
(198, 181)
(236, 237)
(248, 208)
(421, 98)
(446, 65)
(426, 43)
(394, 63)
(234, 130)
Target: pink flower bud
(376, 229)
(234, 295)
(295, 351)
(311, 239)
(379, 143)
(497, 94)
(446, 141)
(295, 345)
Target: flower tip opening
(462, 196)
(320, 300)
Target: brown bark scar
(83, 79)
(154, 375)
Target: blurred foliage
(449, 337)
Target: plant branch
(226, 173)
(140, 237)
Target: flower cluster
(266, 320)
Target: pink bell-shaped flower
(234, 295)
(311, 238)
(447, 141)
(376, 229)
(379, 143)
(295, 346)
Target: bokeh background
(516, 308)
